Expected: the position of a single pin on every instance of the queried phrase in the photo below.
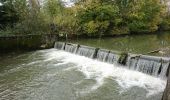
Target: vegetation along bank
(89, 17)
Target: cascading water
(102, 55)
(132, 62)
(101, 72)
(149, 65)
(86, 51)
(59, 45)
(155, 66)
(71, 48)
(164, 68)
(113, 57)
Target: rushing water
(134, 44)
(58, 75)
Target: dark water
(134, 44)
(57, 75)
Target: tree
(8, 15)
(32, 19)
(67, 22)
(53, 8)
(98, 16)
(141, 15)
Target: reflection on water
(135, 44)
(58, 75)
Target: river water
(140, 44)
(58, 75)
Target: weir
(151, 65)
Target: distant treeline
(90, 17)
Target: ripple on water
(58, 75)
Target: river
(53, 74)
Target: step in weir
(72, 48)
(59, 45)
(113, 57)
(87, 51)
(102, 55)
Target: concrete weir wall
(151, 65)
(26, 42)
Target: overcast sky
(68, 3)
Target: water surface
(57, 75)
(140, 44)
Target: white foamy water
(99, 71)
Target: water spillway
(113, 57)
(107, 56)
(71, 48)
(59, 45)
(86, 51)
(102, 55)
(164, 68)
(154, 66)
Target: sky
(68, 3)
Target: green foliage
(7, 31)
(53, 8)
(144, 15)
(67, 22)
(91, 17)
(31, 18)
(8, 16)
(28, 18)
(165, 24)
(98, 17)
